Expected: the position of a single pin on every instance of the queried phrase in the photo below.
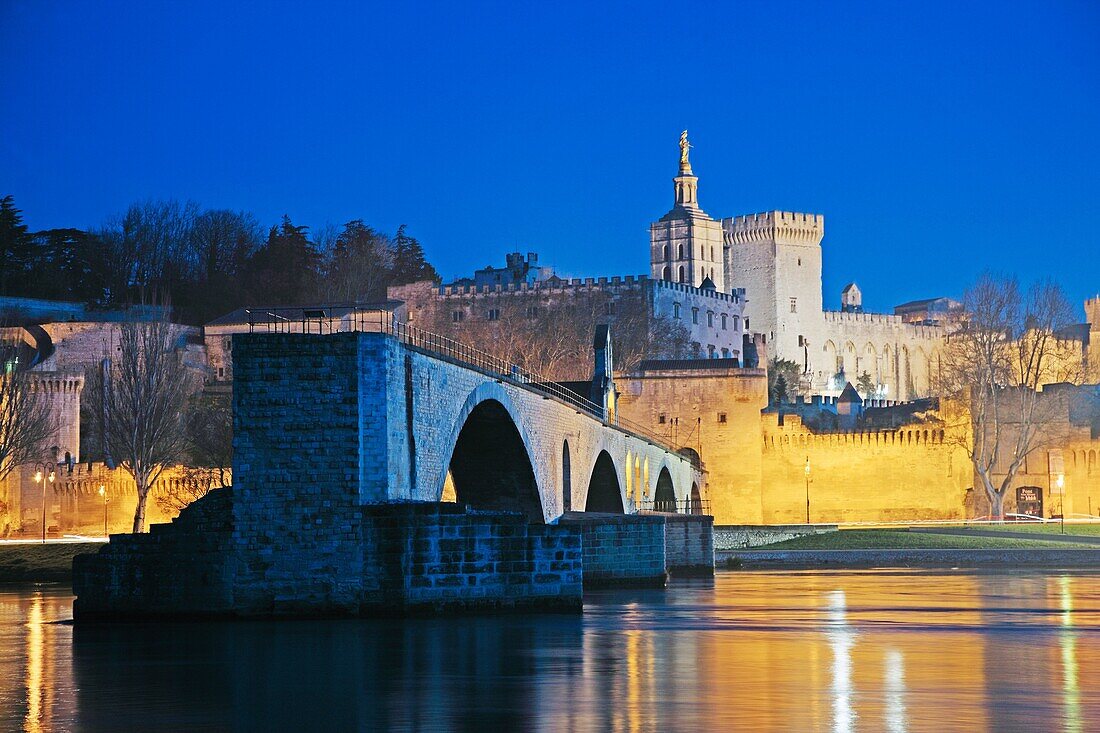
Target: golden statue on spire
(685, 146)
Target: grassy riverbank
(41, 563)
(881, 539)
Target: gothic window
(695, 316)
(712, 256)
(457, 316)
(794, 305)
(723, 321)
(493, 314)
(666, 253)
(676, 310)
(680, 256)
(681, 273)
(710, 319)
(668, 274)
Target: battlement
(1092, 312)
(56, 382)
(884, 319)
(793, 433)
(550, 286)
(780, 227)
(609, 284)
(737, 296)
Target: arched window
(681, 273)
(668, 274)
(681, 252)
(666, 253)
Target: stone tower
(685, 244)
(776, 256)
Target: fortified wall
(911, 473)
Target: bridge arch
(664, 496)
(490, 462)
(604, 492)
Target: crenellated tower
(776, 256)
(686, 244)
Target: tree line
(205, 262)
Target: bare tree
(995, 365)
(210, 435)
(142, 397)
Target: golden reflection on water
(35, 682)
(755, 651)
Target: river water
(754, 651)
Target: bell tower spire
(686, 184)
(686, 245)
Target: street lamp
(103, 493)
(39, 468)
(807, 469)
(1060, 482)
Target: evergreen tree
(360, 265)
(285, 270)
(15, 247)
(409, 265)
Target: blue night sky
(938, 139)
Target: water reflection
(843, 651)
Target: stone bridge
(403, 415)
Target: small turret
(851, 299)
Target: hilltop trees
(206, 262)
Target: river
(756, 651)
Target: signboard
(1028, 493)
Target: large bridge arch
(490, 457)
(604, 490)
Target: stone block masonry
(417, 558)
(621, 550)
(689, 545)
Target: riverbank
(35, 562)
(902, 548)
(911, 558)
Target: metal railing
(351, 317)
(678, 506)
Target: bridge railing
(678, 506)
(349, 317)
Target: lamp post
(807, 469)
(41, 478)
(1060, 482)
(103, 493)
